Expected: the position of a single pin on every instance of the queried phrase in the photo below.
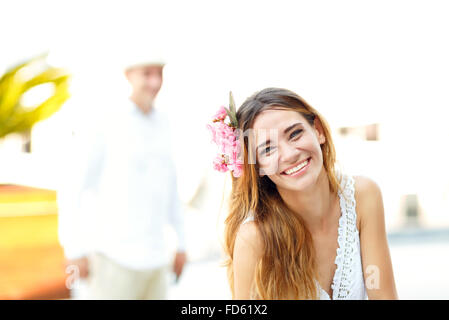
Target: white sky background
(356, 62)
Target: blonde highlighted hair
(287, 268)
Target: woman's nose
(289, 154)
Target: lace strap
(347, 236)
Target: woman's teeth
(298, 167)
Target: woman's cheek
(268, 166)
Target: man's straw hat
(137, 56)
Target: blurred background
(378, 72)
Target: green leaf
(231, 103)
(232, 111)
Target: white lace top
(348, 281)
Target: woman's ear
(319, 130)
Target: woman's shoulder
(365, 188)
(247, 254)
(368, 196)
(249, 238)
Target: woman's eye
(295, 133)
(267, 150)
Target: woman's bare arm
(376, 260)
(247, 252)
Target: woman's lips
(300, 171)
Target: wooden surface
(31, 259)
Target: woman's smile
(298, 169)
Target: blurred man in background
(113, 213)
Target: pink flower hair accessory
(224, 134)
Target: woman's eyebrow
(285, 131)
(291, 127)
(262, 144)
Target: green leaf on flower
(232, 111)
(231, 102)
(228, 112)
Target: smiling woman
(293, 231)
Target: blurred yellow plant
(14, 115)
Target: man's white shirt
(121, 190)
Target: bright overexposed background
(357, 62)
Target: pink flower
(237, 171)
(213, 132)
(224, 130)
(221, 114)
(219, 164)
(229, 146)
(237, 168)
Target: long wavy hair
(287, 268)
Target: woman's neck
(315, 205)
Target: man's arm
(82, 166)
(176, 218)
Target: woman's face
(288, 148)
